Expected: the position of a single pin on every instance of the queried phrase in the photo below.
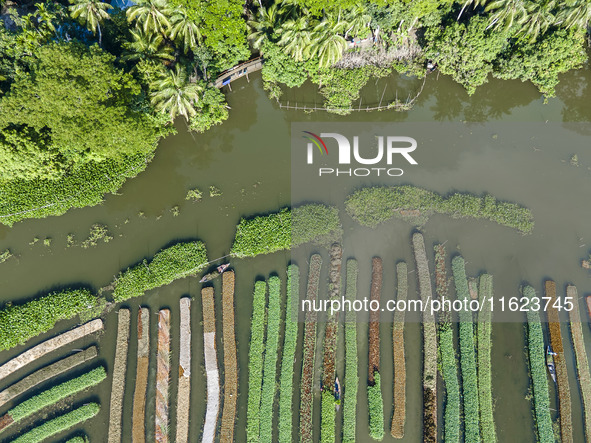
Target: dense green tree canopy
(71, 106)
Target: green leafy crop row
(467, 354)
(375, 205)
(484, 330)
(287, 228)
(177, 261)
(57, 393)
(351, 383)
(19, 323)
(537, 367)
(270, 364)
(327, 418)
(255, 362)
(376, 408)
(288, 359)
(59, 424)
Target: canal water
(503, 140)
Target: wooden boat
(550, 363)
(337, 393)
(214, 274)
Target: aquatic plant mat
(184, 386)
(583, 375)
(306, 387)
(351, 385)
(32, 354)
(118, 383)
(230, 359)
(429, 342)
(48, 372)
(564, 400)
(399, 416)
(211, 366)
(138, 431)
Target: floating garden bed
(36, 352)
(270, 363)
(161, 418)
(118, 383)
(307, 397)
(429, 343)
(287, 362)
(447, 354)
(183, 402)
(399, 416)
(564, 400)
(537, 369)
(375, 205)
(484, 344)
(211, 366)
(583, 374)
(255, 361)
(374, 388)
(285, 229)
(467, 355)
(48, 372)
(351, 384)
(141, 376)
(327, 422)
(19, 323)
(59, 424)
(51, 396)
(230, 360)
(169, 264)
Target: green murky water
(522, 154)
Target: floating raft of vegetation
(118, 383)
(307, 396)
(162, 376)
(270, 363)
(48, 372)
(36, 352)
(583, 374)
(287, 228)
(51, 396)
(429, 343)
(141, 376)
(255, 362)
(399, 416)
(59, 424)
(537, 369)
(564, 400)
(374, 388)
(447, 354)
(467, 354)
(169, 264)
(351, 384)
(230, 359)
(19, 323)
(211, 366)
(184, 387)
(484, 344)
(287, 362)
(327, 422)
(375, 205)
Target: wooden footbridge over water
(238, 71)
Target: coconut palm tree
(540, 16)
(175, 95)
(90, 13)
(152, 16)
(296, 37)
(185, 30)
(327, 43)
(264, 25)
(507, 13)
(474, 4)
(356, 22)
(575, 13)
(146, 47)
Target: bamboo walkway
(238, 71)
